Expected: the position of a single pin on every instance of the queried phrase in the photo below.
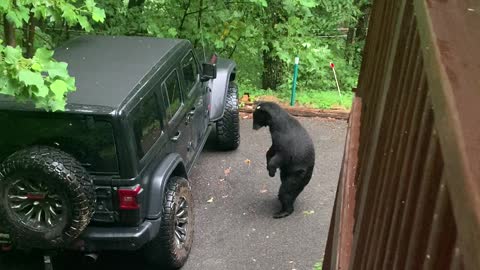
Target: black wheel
(46, 198)
(172, 245)
(228, 128)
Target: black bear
(292, 151)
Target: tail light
(128, 198)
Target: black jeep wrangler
(111, 172)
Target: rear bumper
(117, 238)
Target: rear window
(88, 139)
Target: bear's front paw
(271, 171)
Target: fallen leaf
(264, 189)
(210, 200)
(248, 161)
(306, 213)
(227, 171)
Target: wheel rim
(35, 204)
(181, 222)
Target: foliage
(307, 98)
(309, 29)
(30, 73)
(262, 36)
(317, 266)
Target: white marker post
(332, 65)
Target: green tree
(28, 71)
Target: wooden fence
(409, 190)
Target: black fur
(292, 152)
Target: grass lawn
(312, 99)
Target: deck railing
(409, 189)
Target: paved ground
(235, 200)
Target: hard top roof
(107, 68)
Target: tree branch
(185, 13)
(234, 48)
(197, 11)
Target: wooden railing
(409, 190)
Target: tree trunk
(199, 26)
(30, 37)
(9, 32)
(361, 31)
(349, 48)
(357, 33)
(272, 65)
(272, 70)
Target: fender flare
(226, 71)
(172, 165)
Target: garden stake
(332, 65)
(294, 86)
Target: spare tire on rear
(46, 198)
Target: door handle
(189, 116)
(176, 137)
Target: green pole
(294, 86)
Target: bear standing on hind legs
(292, 152)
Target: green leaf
(70, 81)
(3, 81)
(309, 3)
(30, 78)
(98, 14)
(42, 91)
(69, 13)
(12, 55)
(40, 11)
(4, 5)
(172, 32)
(59, 87)
(18, 16)
(36, 67)
(43, 56)
(57, 69)
(10, 88)
(57, 104)
(90, 4)
(83, 21)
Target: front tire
(172, 245)
(228, 127)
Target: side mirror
(209, 71)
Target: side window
(173, 94)
(190, 71)
(146, 124)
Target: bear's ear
(261, 118)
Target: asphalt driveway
(234, 203)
